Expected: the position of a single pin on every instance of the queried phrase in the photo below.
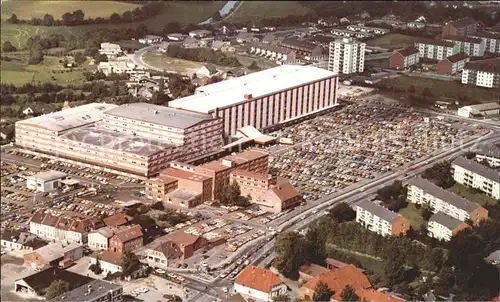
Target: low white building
(150, 39)
(20, 241)
(207, 71)
(472, 174)
(443, 227)
(259, 284)
(200, 33)
(367, 29)
(47, 181)
(99, 239)
(110, 49)
(110, 262)
(116, 67)
(480, 110)
(424, 192)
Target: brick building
(126, 240)
(452, 64)
(461, 27)
(404, 58)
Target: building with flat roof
(51, 254)
(479, 110)
(443, 227)
(489, 153)
(381, 220)
(475, 175)
(137, 138)
(110, 49)
(94, 291)
(46, 181)
(117, 67)
(367, 29)
(484, 73)
(346, 56)
(266, 98)
(422, 191)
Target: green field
(446, 89)
(18, 73)
(469, 194)
(160, 60)
(247, 60)
(26, 10)
(256, 10)
(392, 41)
(182, 12)
(413, 215)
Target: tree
(230, 195)
(290, 254)
(322, 292)
(440, 174)
(56, 288)
(115, 18)
(342, 212)
(349, 294)
(315, 247)
(13, 19)
(130, 264)
(425, 212)
(411, 89)
(96, 267)
(36, 55)
(158, 206)
(282, 298)
(48, 20)
(8, 47)
(80, 58)
(394, 272)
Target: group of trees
(230, 195)
(77, 17)
(202, 55)
(56, 288)
(440, 174)
(393, 196)
(96, 267)
(172, 217)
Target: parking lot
(359, 142)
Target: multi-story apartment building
(346, 56)
(251, 184)
(476, 175)
(491, 40)
(436, 49)
(473, 47)
(265, 98)
(404, 58)
(443, 227)
(94, 291)
(381, 220)
(110, 49)
(62, 228)
(424, 192)
(461, 27)
(489, 153)
(126, 240)
(139, 139)
(484, 73)
(453, 64)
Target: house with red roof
(259, 284)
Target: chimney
(247, 96)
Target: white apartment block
(475, 175)
(367, 29)
(118, 67)
(436, 49)
(380, 220)
(489, 153)
(473, 47)
(346, 56)
(110, 49)
(491, 40)
(443, 227)
(424, 192)
(485, 73)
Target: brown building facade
(126, 240)
(404, 58)
(461, 27)
(453, 64)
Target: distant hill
(256, 10)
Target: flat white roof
(258, 84)
(482, 107)
(49, 175)
(69, 118)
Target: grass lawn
(27, 9)
(392, 41)
(247, 60)
(160, 60)
(447, 89)
(469, 194)
(256, 10)
(413, 214)
(183, 12)
(369, 263)
(19, 73)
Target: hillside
(256, 10)
(26, 10)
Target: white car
(223, 275)
(225, 289)
(160, 271)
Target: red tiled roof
(337, 279)
(182, 238)
(284, 191)
(128, 234)
(117, 219)
(372, 295)
(250, 174)
(258, 279)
